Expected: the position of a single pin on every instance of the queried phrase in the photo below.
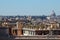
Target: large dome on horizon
(53, 13)
(52, 16)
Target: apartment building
(18, 28)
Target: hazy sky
(29, 7)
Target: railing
(38, 37)
(28, 29)
(38, 29)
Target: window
(31, 32)
(15, 32)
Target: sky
(29, 7)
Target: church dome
(53, 14)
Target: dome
(53, 13)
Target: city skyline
(29, 7)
